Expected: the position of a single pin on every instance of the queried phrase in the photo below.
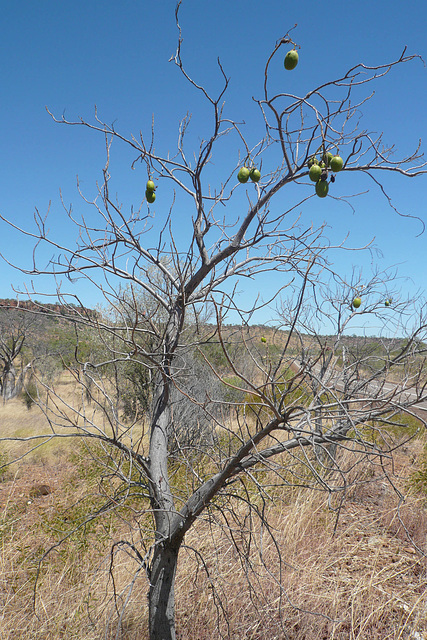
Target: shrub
(29, 394)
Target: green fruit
(263, 339)
(255, 175)
(315, 172)
(336, 163)
(291, 60)
(312, 161)
(388, 302)
(151, 196)
(322, 188)
(243, 175)
(356, 303)
(327, 157)
(150, 186)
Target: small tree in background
(272, 412)
(15, 329)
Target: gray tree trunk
(10, 386)
(8, 382)
(161, 597)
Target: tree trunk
(8, 381)
(10, 386)
(161, 596)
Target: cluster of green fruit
(150, 188)
(244, 174)
(318, 171)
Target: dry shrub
(296, 579)
(307, 583)
(305, 576)
(70, 594)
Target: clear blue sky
(71, 56)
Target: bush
(29, 394)
(233, 395)
(137, 391)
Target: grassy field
(358, 576)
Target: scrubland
(324, 568)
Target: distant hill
(44, 307)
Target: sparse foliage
(221, 422)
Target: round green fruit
(150, 195)
(336, 163)
(356, 303)
(291, 60)
(322, 188)
(312, 161)
(315, 172)
(255, 175)
(150, 186)
(263, 339)
(388, 302)
(243, 175)
(327, 157)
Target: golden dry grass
(366, 581)
(370, 584)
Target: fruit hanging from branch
(322, 188)
(315, 172)
(150, 186)
(255, 174)
(291, 59)
(243, 175)
(336, 163)
(150, 195)
(327, 157)
(388, 302)
(357, 302)
(312, 161)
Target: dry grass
(361, 583)
(364, 581)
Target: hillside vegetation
(351, 565)
(359, 566)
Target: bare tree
(15, 328)
(376, 376)
(293, 403)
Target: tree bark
(8, 381)
(161, 596)
(10, 385)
